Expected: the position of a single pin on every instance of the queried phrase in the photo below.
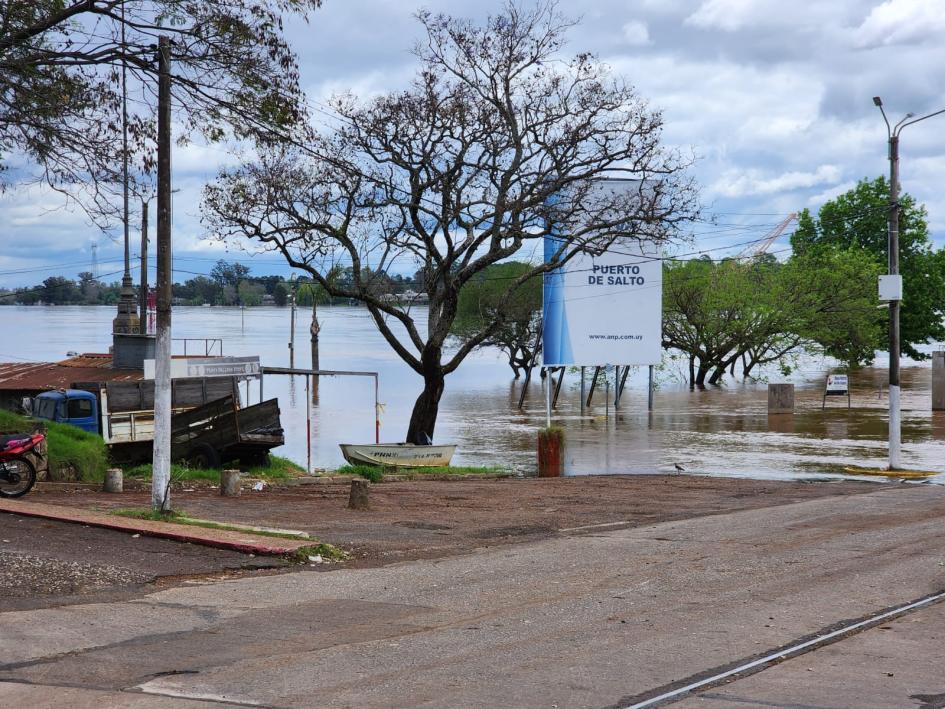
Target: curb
(218, 538)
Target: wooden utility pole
(161, 474)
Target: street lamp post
(895, 299)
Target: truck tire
(203, 455)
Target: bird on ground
(679, 468)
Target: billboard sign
(604, 309)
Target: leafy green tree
(857, 220)
(280, 294)
(228, 274)
(485, 300)
(250, 293)
(234, 75)
(764, 312)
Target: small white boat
(401, 455)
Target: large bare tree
(498, 142)
(61, 65)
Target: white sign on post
(208, 367)
(837, 384)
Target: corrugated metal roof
(88, 359)
(61, 375)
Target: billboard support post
(548, 382)
(649, 396)
(582, 390)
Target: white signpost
(200, 367)
(837, 385)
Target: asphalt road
(44, 563)
(576, 620)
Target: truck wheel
(203, 455)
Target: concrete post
(938, 381)
(113, 480)
(358, 497)
(230, 483)
(780, 398)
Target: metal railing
(211, 346)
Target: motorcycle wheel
(17, 476)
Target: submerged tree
(60, 80)
(498, 142)
(731, 312)
(484, 300)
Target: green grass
(178, 517)
(66, 445)
(278, 468)
(376, 473)
(326, 551)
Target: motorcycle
(17, 472)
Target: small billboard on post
(604, 308)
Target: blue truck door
(81, 411)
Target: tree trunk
(427, 406)
(692, 372)
(701, 374)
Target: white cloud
(729, 15)
(902, 22)
(636, 33)
(753, 182)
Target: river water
(721, 431)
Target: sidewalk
(222, 539)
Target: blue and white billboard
(604, 309)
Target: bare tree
(497, 143)
(60, 81)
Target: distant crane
(94, 247)
(762, 245)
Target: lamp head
(908, 116)
(877, 101)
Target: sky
(774, 99)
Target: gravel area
(48, 563)
(23, 575)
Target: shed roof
(39, 376)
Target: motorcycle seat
(12, 440)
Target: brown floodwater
(719, 431)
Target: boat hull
(398, 455)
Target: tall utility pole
(895, 294)
(127, 322)
(161, 473)
(143, 293)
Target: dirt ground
(429, 519)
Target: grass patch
(178, 517)
(278, 468)
(328, 552)
(375, 473)
(66, 445)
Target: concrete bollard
(938, 381)
(230, 483)
(358, 497)
(114, 480)
(780, 398)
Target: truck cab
(73, 406)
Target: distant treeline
(226, 284)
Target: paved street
(574, 620)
